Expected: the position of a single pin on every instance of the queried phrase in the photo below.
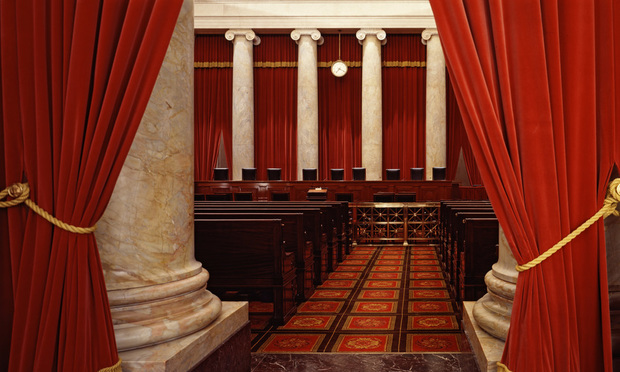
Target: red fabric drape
(404, 103)
(275, 106)
(538, 88)
(212, 103)
(340, 107)
(457, 140)
(76, 77)
(454, 131)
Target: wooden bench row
(316, 234)
(469, 234)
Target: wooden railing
(395, 223)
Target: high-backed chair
(337, 174)
(392, 174)
(248, 174)
(219, 197)
(309, 174)
(359, 174)
(417, 174)
(439, 173)
(220, 174)
(405, 197)
(383, 197)
(274, 174)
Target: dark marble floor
(397, 362)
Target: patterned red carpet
(380, 299)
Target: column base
(488, 349)
(223, 346)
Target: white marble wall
(307, 99)
(243, 99)
(146, 237)
(435, 102)
(372, 118)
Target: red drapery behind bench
(340, 107)
(212, 103)
(403, 78)
(275, 106)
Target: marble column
(156, 288)
(492, 312)
(486, 322)
(372, 121)
(307, 99)
(435, 102)
(243, 99)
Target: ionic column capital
(428, 34)
(377, 32)
(249, 35)
(313, 33)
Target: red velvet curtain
(457, 140)
(404, 103)
(538, 86)
(454, 131)
(340, 106)
(76, 77)
(275, 106)
(212, 103)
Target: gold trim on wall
(353, 64)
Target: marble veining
(243, 99)
(372, 133)
(463, 362)
(155, 285)
(307, 99)
(435, 102)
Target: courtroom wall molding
(325, 15)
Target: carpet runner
(380, 299)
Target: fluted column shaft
(435, 102)
(155, 286)
(307, 99)
(372, 121)
(243, 99)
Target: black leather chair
(274, 174)
(309, 174)
(405, 197)
(337, 174)
(220, 174)
(248, 174)
(280, 196)
(417, 174)
(383, 197)
(359, 174)
(439, 173)
(344, 196)
(244, 196)
(219, 197)
(392, 174)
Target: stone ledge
(488, 349)
(187, 352)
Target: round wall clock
(339, 68)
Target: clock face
(339, 68)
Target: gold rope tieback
(20, 192)
(609, 208)
(115, 368)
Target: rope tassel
(20, 193)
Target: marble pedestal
(192, 352)
(488, 349)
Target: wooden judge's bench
(352, 191)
